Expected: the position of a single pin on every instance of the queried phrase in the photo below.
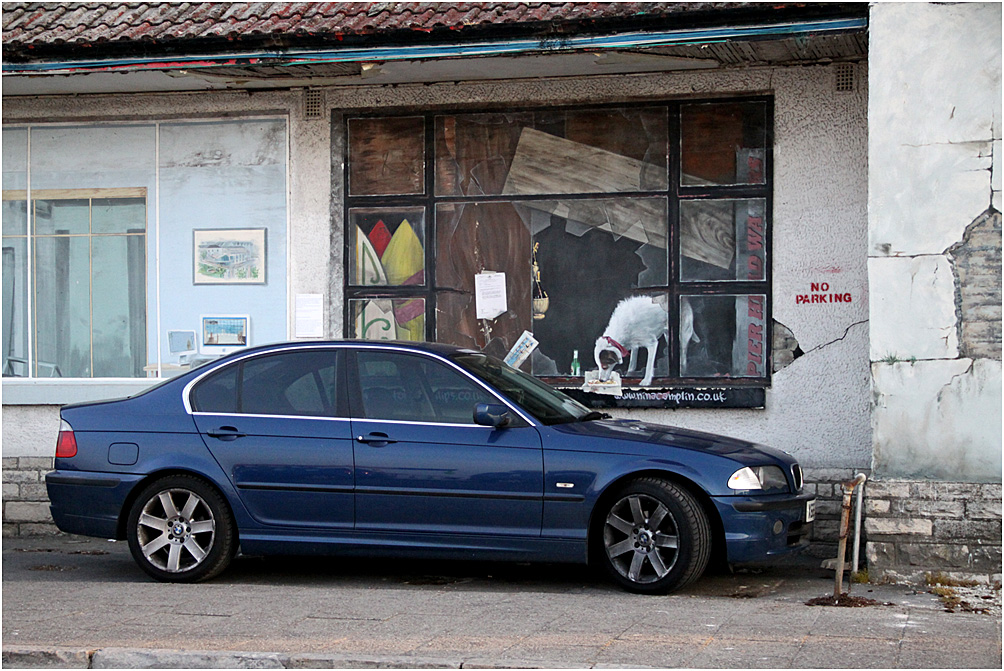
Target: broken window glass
(723, 143)
(723, 240)
(387, 246)
(723, 335)
(476, 237)
(591, 254)
(591, 151)
(386, 156)
(576, 208)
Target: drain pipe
(845, 523)
(857, 526)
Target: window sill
(37, 391)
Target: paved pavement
(73, 602)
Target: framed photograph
(229, 255)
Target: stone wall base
(25, 501)
(917, 529)
(911, 528)
(827, 485)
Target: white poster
(489, 294)
(309, 315)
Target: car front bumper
(758, 528)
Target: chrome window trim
(414, 423)
(210, 369)
(261, 416)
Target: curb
(26, 657)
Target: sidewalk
(72, 602)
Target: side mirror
(492, 414)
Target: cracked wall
(934, 264)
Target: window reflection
(723, 240)
(591, 151)
(723, 336)
(723, 143)
(386, 156)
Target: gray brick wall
(827, 485)
(977, 264)
(25, 502)
(919, 527)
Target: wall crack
(836, 340)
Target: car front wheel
(180, 530)
(655, 537)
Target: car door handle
(225, 433)
(376, 439)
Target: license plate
(810, 511)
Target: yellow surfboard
(404, 263)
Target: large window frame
(676, 194)
(161, 248)
(36, 368)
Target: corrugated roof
(35, 24)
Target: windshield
(546, 404)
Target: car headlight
(767, 478)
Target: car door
(272, 423)
(423, 465)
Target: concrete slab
(101, 611)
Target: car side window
(289, 383)
(413, 388)
(218, 392)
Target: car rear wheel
(180, 530)
(655, 537)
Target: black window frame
(750, 389)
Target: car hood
(655, 435)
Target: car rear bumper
(759, 528)
(88, 503)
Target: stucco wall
(934, 148)
(818, 405)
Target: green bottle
(576, 368)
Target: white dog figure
(636, 322)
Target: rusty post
(845, 523)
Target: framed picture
(229, 255)
(223, 334)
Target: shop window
(105, 232)
(645, 225)
(87, 283)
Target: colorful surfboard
(404, 263)
(375, 320)
(369, 270)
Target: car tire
(180, 530)
(653, 537)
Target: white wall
(934, 148)
(817, 408)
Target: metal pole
(855, 554)
(845, 523)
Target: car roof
(432, 347)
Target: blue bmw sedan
(411, 450)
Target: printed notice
(521, 350)
(489, 294)
(309, 315)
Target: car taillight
(66, 444)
